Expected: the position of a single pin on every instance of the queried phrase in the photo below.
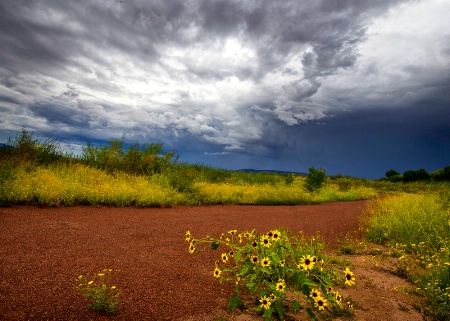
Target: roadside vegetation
(416, 229)
(39, 172)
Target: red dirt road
(43, 250)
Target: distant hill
(251, 170)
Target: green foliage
(315, 179)
(344, 183)
(97, 289)
(440, 175)
(392, 172)
(24, 150)
(146, 159)
(260, 178)
(281, 270)
(418, 175)
(289, 179)
(182, 178)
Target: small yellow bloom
(101, 274)
(321, 303)
(265, 302)
(232, 232)
(217, 273)
(349, 278)
(224, 257)
(314, 294)
(275, 235)
(113, 287)
(265, 241)
(265, 262)
(281, 286)
(306, 263)
(191, 248)
(90, 282)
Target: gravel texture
(43, 251)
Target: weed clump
(97, 289)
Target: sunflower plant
(97, 289)
(282, 271)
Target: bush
(145, 159)
(315, 179)
(344, 184)
(392, 172)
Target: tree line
(439, 175)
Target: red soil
(43, 250)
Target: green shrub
(315, 179)
(344, 184)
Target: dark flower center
(307, 262)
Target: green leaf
(310, 282)
(268, 314)
(275, 258)
(323, 288)
(266, 270)
(311, 314)
(215, 245)
(234, 302)
(237, 256)
(306, 290)
(299, 279)
(280, 309)
(244, 270)
(296, 306)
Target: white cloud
(407, 50)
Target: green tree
(391, 172)
(418, 175)
(315, 179)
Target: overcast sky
(356, 87)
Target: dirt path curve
(43, 250)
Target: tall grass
(419, 224)
(82, 185)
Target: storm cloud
(262, 84)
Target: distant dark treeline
(439, 175)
